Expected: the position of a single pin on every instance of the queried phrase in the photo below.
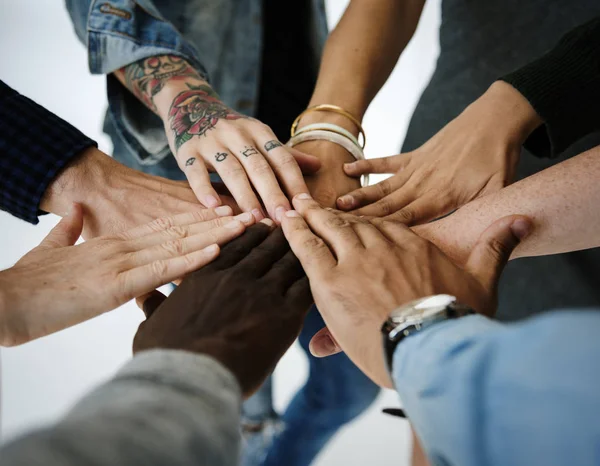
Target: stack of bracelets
(330, 132)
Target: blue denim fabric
(335, 393)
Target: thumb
(66, 232)
(495, 246)
(323, 344)
(150, 302)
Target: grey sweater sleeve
(164, 407)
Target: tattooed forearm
(195, 112)
(272, 145)
(146, 78)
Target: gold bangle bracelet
(334, 109)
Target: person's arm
(546, 105)
(163, 407)
(480, 392)
(562, 201)
(358, 58)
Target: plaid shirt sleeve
(35, 145)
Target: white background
(42, 59)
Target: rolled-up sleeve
(478, 392)
(119, 32)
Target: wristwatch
(416, 316)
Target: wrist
(512, 113)
(173, 88)
(78, 182)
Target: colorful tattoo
(190, 161)
(195, 112)
(221, 156)
(272, 145)
(248, 151)
(147, 77)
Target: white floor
(41, 380)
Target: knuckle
(498, 249)
(384, 188)
(162, 223)
(178, 231)
(405, 215)
(337, 222)
(313, 243)
(159, 268)
(174, 248)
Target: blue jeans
(335, 393)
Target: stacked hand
(59, 284)
(245, 309)
(474, 155)
(361, 270)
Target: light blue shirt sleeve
(479, 392)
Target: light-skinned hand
(59, 284)
(361, 270)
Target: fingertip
(211, 201)
(212, 250)
(224, 211)
(346, 202)
(521, 228)
(351, 168)
(267, 221)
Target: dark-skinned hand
(245, 309)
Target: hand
(244, 310)
(330, 181)
(361, 270)
(58, 285)
(474, 155)
(206, 135)
(115, 198)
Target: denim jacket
(222, 40)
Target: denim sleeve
(482, 393)
(119, 32)
(165, 407)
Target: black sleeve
(563, 87)
(35, 145)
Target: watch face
(422, 309)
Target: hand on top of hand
(474, 155)
(245, 309)
(59, 284)
(361, 270)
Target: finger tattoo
(274, 144)
(248, 151)
(190, 161)
(221, 156)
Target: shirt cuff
(563, 87)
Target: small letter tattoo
(190, 161)
(248, 151)
(221, 156)
(274, 144)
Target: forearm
(562, 201)
(164, 407)
(360, 54)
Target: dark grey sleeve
(165, 407)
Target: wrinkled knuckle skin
(337, 222)
(313, 243)
(163, 223)
(498, 249)
(404, 216)
(385, 207)
(174, 248)
(159, 268)
(178, 231)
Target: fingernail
(304, 196)
(245, 218)
(279, 213)
(233, 225)
(325, 345)
(258, 215)
(346, 201)
(223, 211)
(268, 222)
(211, 201)
(292, 214)
(212, 249)
(349, 165)
(521, 228)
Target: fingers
(141, 280)
(314, 255)
(494, 247)
(396, 232)
(286, 271)
(380, 165)
(370, 194)
(168, 247)
(309, 164)
(235, 177)
(284, 165)
(422, 210)
(164, 223)
(197, 175)
(150, 302)
(265, 255)
(237, 250)
(261, 174)
(66, 232)
(299, 293)
(323, 344)
(336, 231)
